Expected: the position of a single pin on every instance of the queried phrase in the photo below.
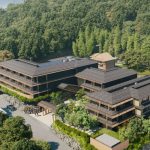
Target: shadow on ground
(54, 145)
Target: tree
(130, 43)
(117, 41)
(25, 144)
(3, 117)
(14, 129)
(137, 41)
(6, 55)
(75, 49)
(80, 94)
(134, 130)
(56, 97)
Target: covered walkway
(47, 107)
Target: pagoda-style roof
(102, 57)
(111, 98)
(101, 76)
(141, 91)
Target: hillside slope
(37, 29)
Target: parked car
(11, 107)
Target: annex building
(115, 94)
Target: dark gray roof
(111, 98)
(100, 76)
(54, 65)
(128, 83)
(141, 91)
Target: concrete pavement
(40, 130)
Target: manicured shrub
(24, 99)
(79, 136)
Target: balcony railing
(21, 88)
(17, 77)
(105, 111)
(91, 87)
(113, 124)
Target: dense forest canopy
(40, 28)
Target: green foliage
(56, 97)
(24, 99)
(25, 144)
(85, 43)
(137, 131)
(37, 29)
(81, 137)
(43, 145)
(16, 135)
(80, 94)
(14, 129)
(75, 113)
(3, 117)
(5, 55)
(79, 117)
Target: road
(43, 132)
(39, 129)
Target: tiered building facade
(115, 94)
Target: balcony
(17, 78)
(90, 87)
(110, 113)
(17, 86)
(113, 124)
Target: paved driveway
(43, 132)
(40, 130)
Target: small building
(106, 142)
(105, 60)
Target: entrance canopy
(47, 106)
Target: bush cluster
(81, 137)
(24, 99)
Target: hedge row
(81, 137)
(24, 99)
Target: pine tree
(87, 32)
(117, 41)
(124, 39)
(130, 43)
(81, 44)
(90, 45)
(75, 48)
(137, 45)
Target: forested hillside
(45, 28)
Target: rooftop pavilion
(105, 60)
